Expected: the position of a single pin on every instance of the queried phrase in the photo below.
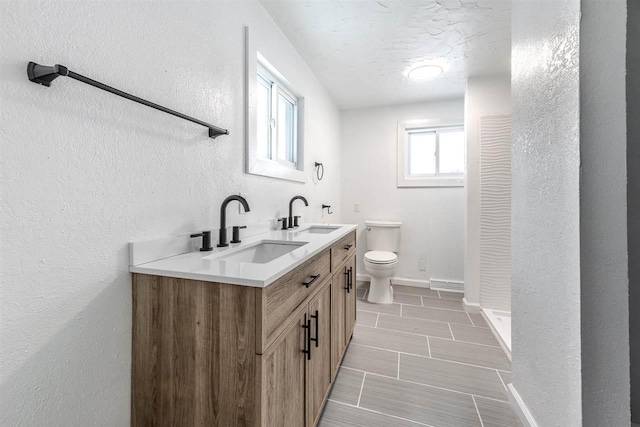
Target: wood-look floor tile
(478, 320)
(419, 403)
(347, 385)
(452, 376)
(407, 299)
(497, 414)
(436, 314)
(390, 340)
(378, 308)
(414, 326)
(339, 415)
(451, 295)
(506, 377)
(480, 355)
(449, 304)
(366, 318)
(373, 360)
(474, 335)
(413, 290)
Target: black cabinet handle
(347, 247)
(315, 316)
(350, 277)
(346, 273)
(314, 278)
(307, 327)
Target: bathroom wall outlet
(422, 265)
(240, 210)
(356, 207)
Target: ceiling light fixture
(424, 72)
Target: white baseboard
(411, 282)
(398, 281)
(472, 307)
(520, 408)
(363, 278)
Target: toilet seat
(380, 257)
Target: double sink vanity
(247, 335)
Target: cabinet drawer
(280, 299)
(343, 250)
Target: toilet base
(380, 291)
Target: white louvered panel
(495, 212)
(444, 285)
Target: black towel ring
(318, 174)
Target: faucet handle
(206, 240)
(235, 237)
(284, 223)
(295, 220)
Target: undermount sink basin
(319, 229)
(261, 252)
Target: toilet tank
(383, 235)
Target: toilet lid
(380, 257)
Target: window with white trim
(430, 156)
(276, 116)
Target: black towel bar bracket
(44, 75)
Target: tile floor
(422, 361)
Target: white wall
(633, 198)
(603, 214)
(84, 172)
(545, 294)
(569, 296)
(485, 96)
(433, 218)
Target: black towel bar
(44, 75)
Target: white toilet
(380, 261)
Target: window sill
(275, 170)
(430, 182)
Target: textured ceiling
(361, 49)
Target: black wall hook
(328, 208)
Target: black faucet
(291, 224)
(222, 239)
(206, 240)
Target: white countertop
(208, 266)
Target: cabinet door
(283, 377)
(350, 310)
(338, 318)
(319, 367)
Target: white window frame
(277, 88)
(430, 180)
(255, 165)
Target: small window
(274, 107)
(430, 156)
(276, 116)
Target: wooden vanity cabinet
(343, 305)
(338, 320)
(319, 363)
(225, 355)
(282, 376)
(350, 303)
(295, 372)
